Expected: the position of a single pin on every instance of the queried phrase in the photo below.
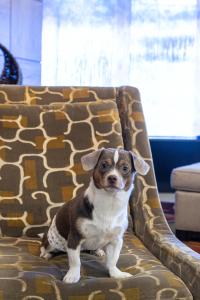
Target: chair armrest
(147, 215)
(151, 227)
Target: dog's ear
(90, 160)
(140, 165)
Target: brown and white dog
(98, 218)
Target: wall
(20, 32)
(171, 153)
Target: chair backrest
(44, 131)
(41, 147)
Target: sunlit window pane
(151, 44)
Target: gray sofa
(185, 181)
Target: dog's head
(114, 169)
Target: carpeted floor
(194, 245)
(168, 208)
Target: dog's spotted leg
(73, 274)
(46, 248)
(113, 251)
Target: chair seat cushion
(24, 275)
(186, 178)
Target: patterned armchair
(43, 133)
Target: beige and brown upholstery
(186, 182)
(44, 131)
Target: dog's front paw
(72, 276)
(116, 273)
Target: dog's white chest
(109, 221)
(96, 236)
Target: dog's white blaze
(116, 156)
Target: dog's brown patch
(67, 216)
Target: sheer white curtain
(151, 44)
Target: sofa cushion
(186, 178)
(40, 152)
(187, 209)
(24, 275)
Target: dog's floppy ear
(90, 160)
(140, 165)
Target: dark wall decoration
(11, 73)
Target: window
(151, 44)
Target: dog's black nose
(112, 179)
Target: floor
(170, 199)
(167, 197)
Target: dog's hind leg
(45, 249)
(45, 253)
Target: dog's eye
(104, 166)
(125, 169)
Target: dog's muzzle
(112, 180)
